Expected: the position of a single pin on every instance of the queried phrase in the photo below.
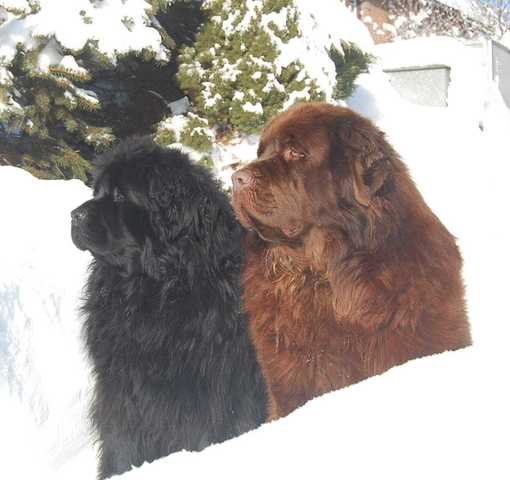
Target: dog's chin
(125, 265)
(79, 240)
(84, 241)
(288, 234)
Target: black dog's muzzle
(84, 229)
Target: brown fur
(348, 271)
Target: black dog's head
(153, 211)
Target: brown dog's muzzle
(257, 209)
(242, 183)
(242, 179)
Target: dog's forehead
(103, 181)
(306, 120)
(101, 185)
(110, 178)
(300, 126)
(311, 139)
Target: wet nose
(78, 215)
(241, 179)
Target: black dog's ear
(215, 226)
(191, 230)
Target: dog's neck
(310, 257)
(381, 226)
(322, 249)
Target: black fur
(173, 362)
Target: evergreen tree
(59, 91)
(349, 62)
(235, 73)
(68, 92)
(244, 68)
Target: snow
(322, 27)
(65, 22)
(44, 379)
(87, 95)
(253, 107)
(69, 63)
(227, 157)
(19, 5)
(505, 40)
(49, 56)
(468, 62)
(444, 416)
(117, 27)
(410, 423)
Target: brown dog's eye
(292, 154)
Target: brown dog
(348, 271)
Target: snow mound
(44, 380)
(423, 417)
(469, 72)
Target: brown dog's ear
(364, 147)
(369, 175)
(292, 154)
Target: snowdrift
(44, 377)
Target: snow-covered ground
(439, 417)
(43, 375)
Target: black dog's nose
(78, 214)
(241, 179)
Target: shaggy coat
(348, 271)
(173, 362)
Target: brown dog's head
(318, 165)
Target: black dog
(173, 362)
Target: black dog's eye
(117, 196)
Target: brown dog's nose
(241, 179)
